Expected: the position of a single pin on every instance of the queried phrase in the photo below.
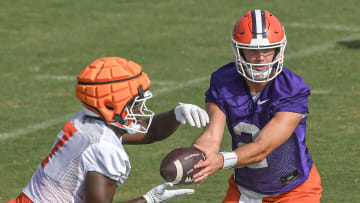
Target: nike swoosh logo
(262, 102)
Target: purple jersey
(287, 166)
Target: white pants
(246, 199)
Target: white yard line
(73, 78)
(178, 86)
(56, 77)
(320, 92)
(46, 124)
(310, 50)
(319, 48)
(335, 27)
(35, 127)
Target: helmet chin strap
(130, 121)
(131, 129)
(134, 126)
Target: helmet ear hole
(109, 107)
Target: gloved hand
(161, 194)
(192, 114)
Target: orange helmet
(258, 29)
(110, 88)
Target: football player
(264, 106)
(88, 161)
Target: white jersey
(84, 144)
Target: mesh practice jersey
(287, 166)
(84, 144)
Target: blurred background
(44, 44)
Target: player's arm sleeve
(213, 95)
(297, 103)
(107, 159)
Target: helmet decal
(258, 24)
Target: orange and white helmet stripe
(258, 29)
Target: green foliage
(46, 43)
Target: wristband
(230, 159)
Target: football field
(179, 43)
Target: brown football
(177, 166)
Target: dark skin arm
(101, 189)
(162, 126)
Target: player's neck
(118, 132)
(256, 87)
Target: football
(177, 166)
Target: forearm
(256, 151)
(273, 135)
(163, 125)
(137, 200)
(208, 142)
(249, 154)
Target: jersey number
(245, 128)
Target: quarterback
(264, 106)
(87, 161)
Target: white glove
(192, 114)
(161, 194)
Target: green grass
(175, 41)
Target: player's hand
(161, 194)
(192, 114)
(212, 163)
